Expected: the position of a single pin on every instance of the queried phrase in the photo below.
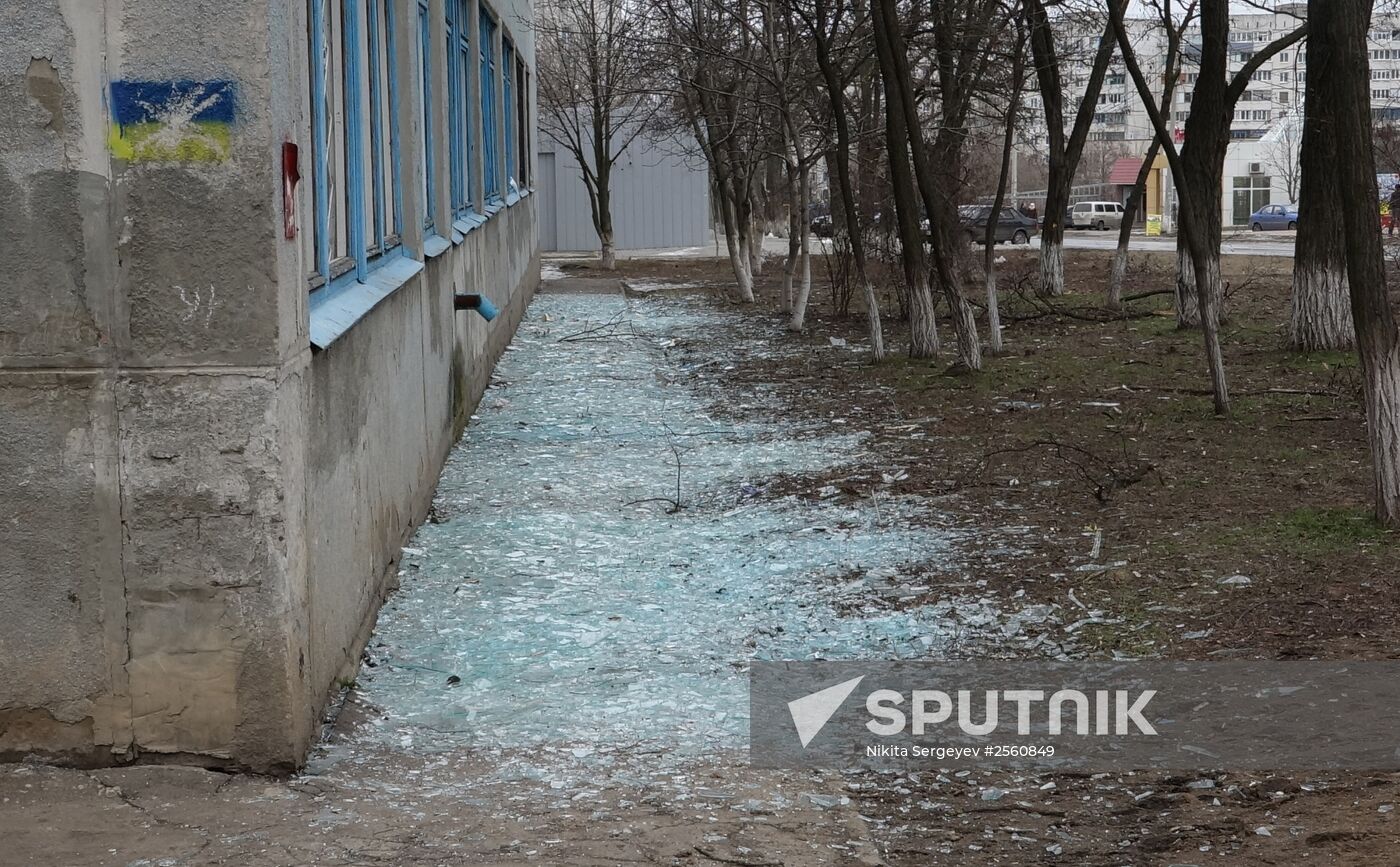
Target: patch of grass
(1322, 530)
(1308, 533)
(1319, 362)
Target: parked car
(1272, 218)
(822, 226)
(1012, 225)
(1068, 221)
(1096, 215)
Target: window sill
(435, 245)
(468, 221)
(494, 206)
(336, 308)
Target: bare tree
(824, 26)
(1283, 154)
(1173, 27)
(1064, 151)
(595, 71)
(1200, 166)
(795, 83)
(963, 32)
(1339, 70)
(712, 53)
(1008, 153)
(923, 323)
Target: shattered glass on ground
(605, 559)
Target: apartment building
(1262, 162)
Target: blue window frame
(354, 138)
(384, 127)
(459, 73)
(490, 125)
(522, 121)
(427, 163)
(508, 105)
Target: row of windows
(356, 142)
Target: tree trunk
(1319, 316)
(1203, 231)
(755, 245)
(1188, 312)
(1008, 150)
(923, 323)
(938, 203)
(1319, 312)
(1339, 68)
(836, 94)
(1052, 256)
(738, 255)
(1119, 272)
(798, 319)
(790, 261)
(1203, 167)
(1208, 297)
(1064, 153)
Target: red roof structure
(1125, 172)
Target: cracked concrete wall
(201, 515)
(145, 602)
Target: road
(1278, 244)
(1088, 240)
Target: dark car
(1012, 226)
(1068, 221)
(822, 226)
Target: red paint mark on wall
(291, 176)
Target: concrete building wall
(661, 197)
(202, 501)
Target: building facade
(231, 364)
(660, 196)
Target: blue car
(1272, 218)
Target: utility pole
(1013, 181)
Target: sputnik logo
(811, 713)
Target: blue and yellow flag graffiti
(172, 121)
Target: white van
(1096, 215)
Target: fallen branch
(1138, 296)
(602, 331)
(1102, 475)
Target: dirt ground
(1098, 431)
(1096, 434)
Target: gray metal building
(661, 197)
